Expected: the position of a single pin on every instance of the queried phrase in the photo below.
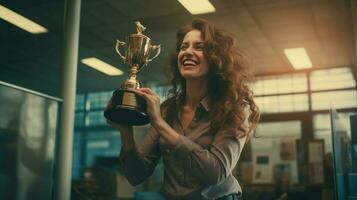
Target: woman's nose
(189, 52)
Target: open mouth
(189, 62)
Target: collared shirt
(198, 167)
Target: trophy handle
(158, 50)
(117, 46)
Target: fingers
(147, 91)
(143, 94)
(148, 94)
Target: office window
(79, 102)
(98, 144)
(94, 118)
(101, 143)
(336, 99)
(77, 156)
(283, 103)
(278, 129)
(327, 79)
(290, 83)
(98, 100)
(275, 94)
(79, 119)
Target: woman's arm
(211, 166)
(168, 134)
(137, 163)
(126, 135)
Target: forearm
(139, 162)
(168, 134)
(127, 138)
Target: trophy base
(127, 108)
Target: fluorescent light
(102, 66)
(298, 58)
(20, 21)
(196, 7)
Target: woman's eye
(183, 47)
(200, 47)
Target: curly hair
(228, 92)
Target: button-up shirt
(198, 167)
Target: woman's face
(191, 58)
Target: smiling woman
(201, 129)
(192, 61)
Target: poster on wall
(287, 149)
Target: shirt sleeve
(140, 163)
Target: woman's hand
(169, 135)
(153, 104)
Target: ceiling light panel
(21, 21)
(196, 7)
(298, 58)
(102, 66)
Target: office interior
(56, 144)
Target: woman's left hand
(153, 104)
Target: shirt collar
(205, 104)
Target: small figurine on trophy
(139, 28)
(127, 107)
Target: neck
(196, 90)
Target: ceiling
(325, 28)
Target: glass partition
(28, 123)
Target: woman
(202, 127)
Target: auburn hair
(228, 92)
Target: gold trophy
(127, 107)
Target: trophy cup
(127, 107)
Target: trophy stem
(132, 83)
(132, 77)
(134, 70)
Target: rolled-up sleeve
(139, 163)
(210, 165)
